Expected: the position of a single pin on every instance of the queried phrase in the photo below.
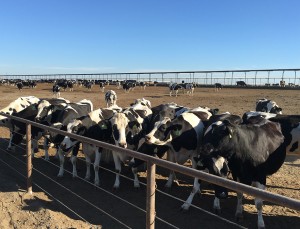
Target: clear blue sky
(95, 36)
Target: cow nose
(123, 144)
(37, 119)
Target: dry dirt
(47, 210)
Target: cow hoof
(185, 207)
(115, 189)
(239, 217)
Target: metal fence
(151, 172)
(255, 77)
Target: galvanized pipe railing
(152, 161)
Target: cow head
(119, 123)
(276, 109)
(74, 127)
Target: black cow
(70, 85)
(19, 85)
(269, 106)
(218, 86)
(290, 126)
(251, 151)
(241, 84)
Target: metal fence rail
(151, 170)
(255, 77)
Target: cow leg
(96, 166)
(216, 205)
(74, 159)
(61, 163)
(118, 170)
(239, 207)
(196, 189)
(46, 148)
(88, 167)
(10, 141)
(136, 182)
(259, 205)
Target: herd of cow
(250, 147)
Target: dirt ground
(100, 209)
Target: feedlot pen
(236, 101)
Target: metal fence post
(29, 159)
(150, 204)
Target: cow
(250, 151)
(218, 86)
(189, 87)
(142, 85)
(127, 130)
(174, 87)
(182, 137)
(269, 106)
(110, 98)
(118, 84)
(290, 126)
(19, 85)
(241, 84)
(128, 85)
(56, 91)
(14, 107)
(282, 83)
(94, 125)
(70, 85)
(58, 116)
(102, 86)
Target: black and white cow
(142, 85)
(174, 88)
(128, 85)
(95, 125)
(182, 137)
(218, 86)
(110, 98)
(118, 84)
(127, 130)
(102, 86)
(290, 126)
(251, 151)
(56, 91)
(269, 106)
(189, 88)
(70, 84)
(59, 115)
(14, 107)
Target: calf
(110, 98)
(14, 107)
(95, 125)
(269, 106)
(252, 152)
